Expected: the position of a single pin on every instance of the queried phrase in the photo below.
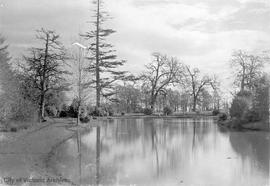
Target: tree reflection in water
(79, 156)
(162, 152)
(253, 146)
(98, 155)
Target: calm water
(164, 152)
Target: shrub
(251, 116)
(239, 106)
(167, 110)
(85, 119)
(148, 111)
(110, 111)
(215, 112)
(63, 114)
(13, 129)
(98, 112)
(139, 110)
(72, 112)
(101, 111)
(24, 110)
(222, 116)
(51, 111)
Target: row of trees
(167, 82)
(133, 99)
(42, 80)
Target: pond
(163, 152)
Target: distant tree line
(168, 83)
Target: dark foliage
(110, 111)
(63, 114)
(251, 116)
(72, 112)
(215, 112)
(148, 111)
(222, 116)
(85, 119)
(51, 111)
(69, 112)
(98, 112)
(239, 106)
(13, 129)
(167, 110)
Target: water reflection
(79, 156)
(98, 155)
(249, 144)
(164, 152)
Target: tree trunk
(78, 114)
(152, 105)
(194, 104)
(243, 80)
(42, 108)
(153, 101)
(43, 82)
(97, 58)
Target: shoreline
(29, 149)
(250, 126)
(155, 116)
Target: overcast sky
(201, 33)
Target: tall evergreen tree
(6, 81)
(13, 105)
(5, 70)
(103, 60)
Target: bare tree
(80, 76)
(248, 69)
(216, 99)
(43, 66)
(196, 84)
(128, 98)
(184, 101)
(160, 73)
(103, 62)
(205, 100)
(172, 99)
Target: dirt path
(23, 157)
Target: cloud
(20, 19)
(202, 33)
(197, 35)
